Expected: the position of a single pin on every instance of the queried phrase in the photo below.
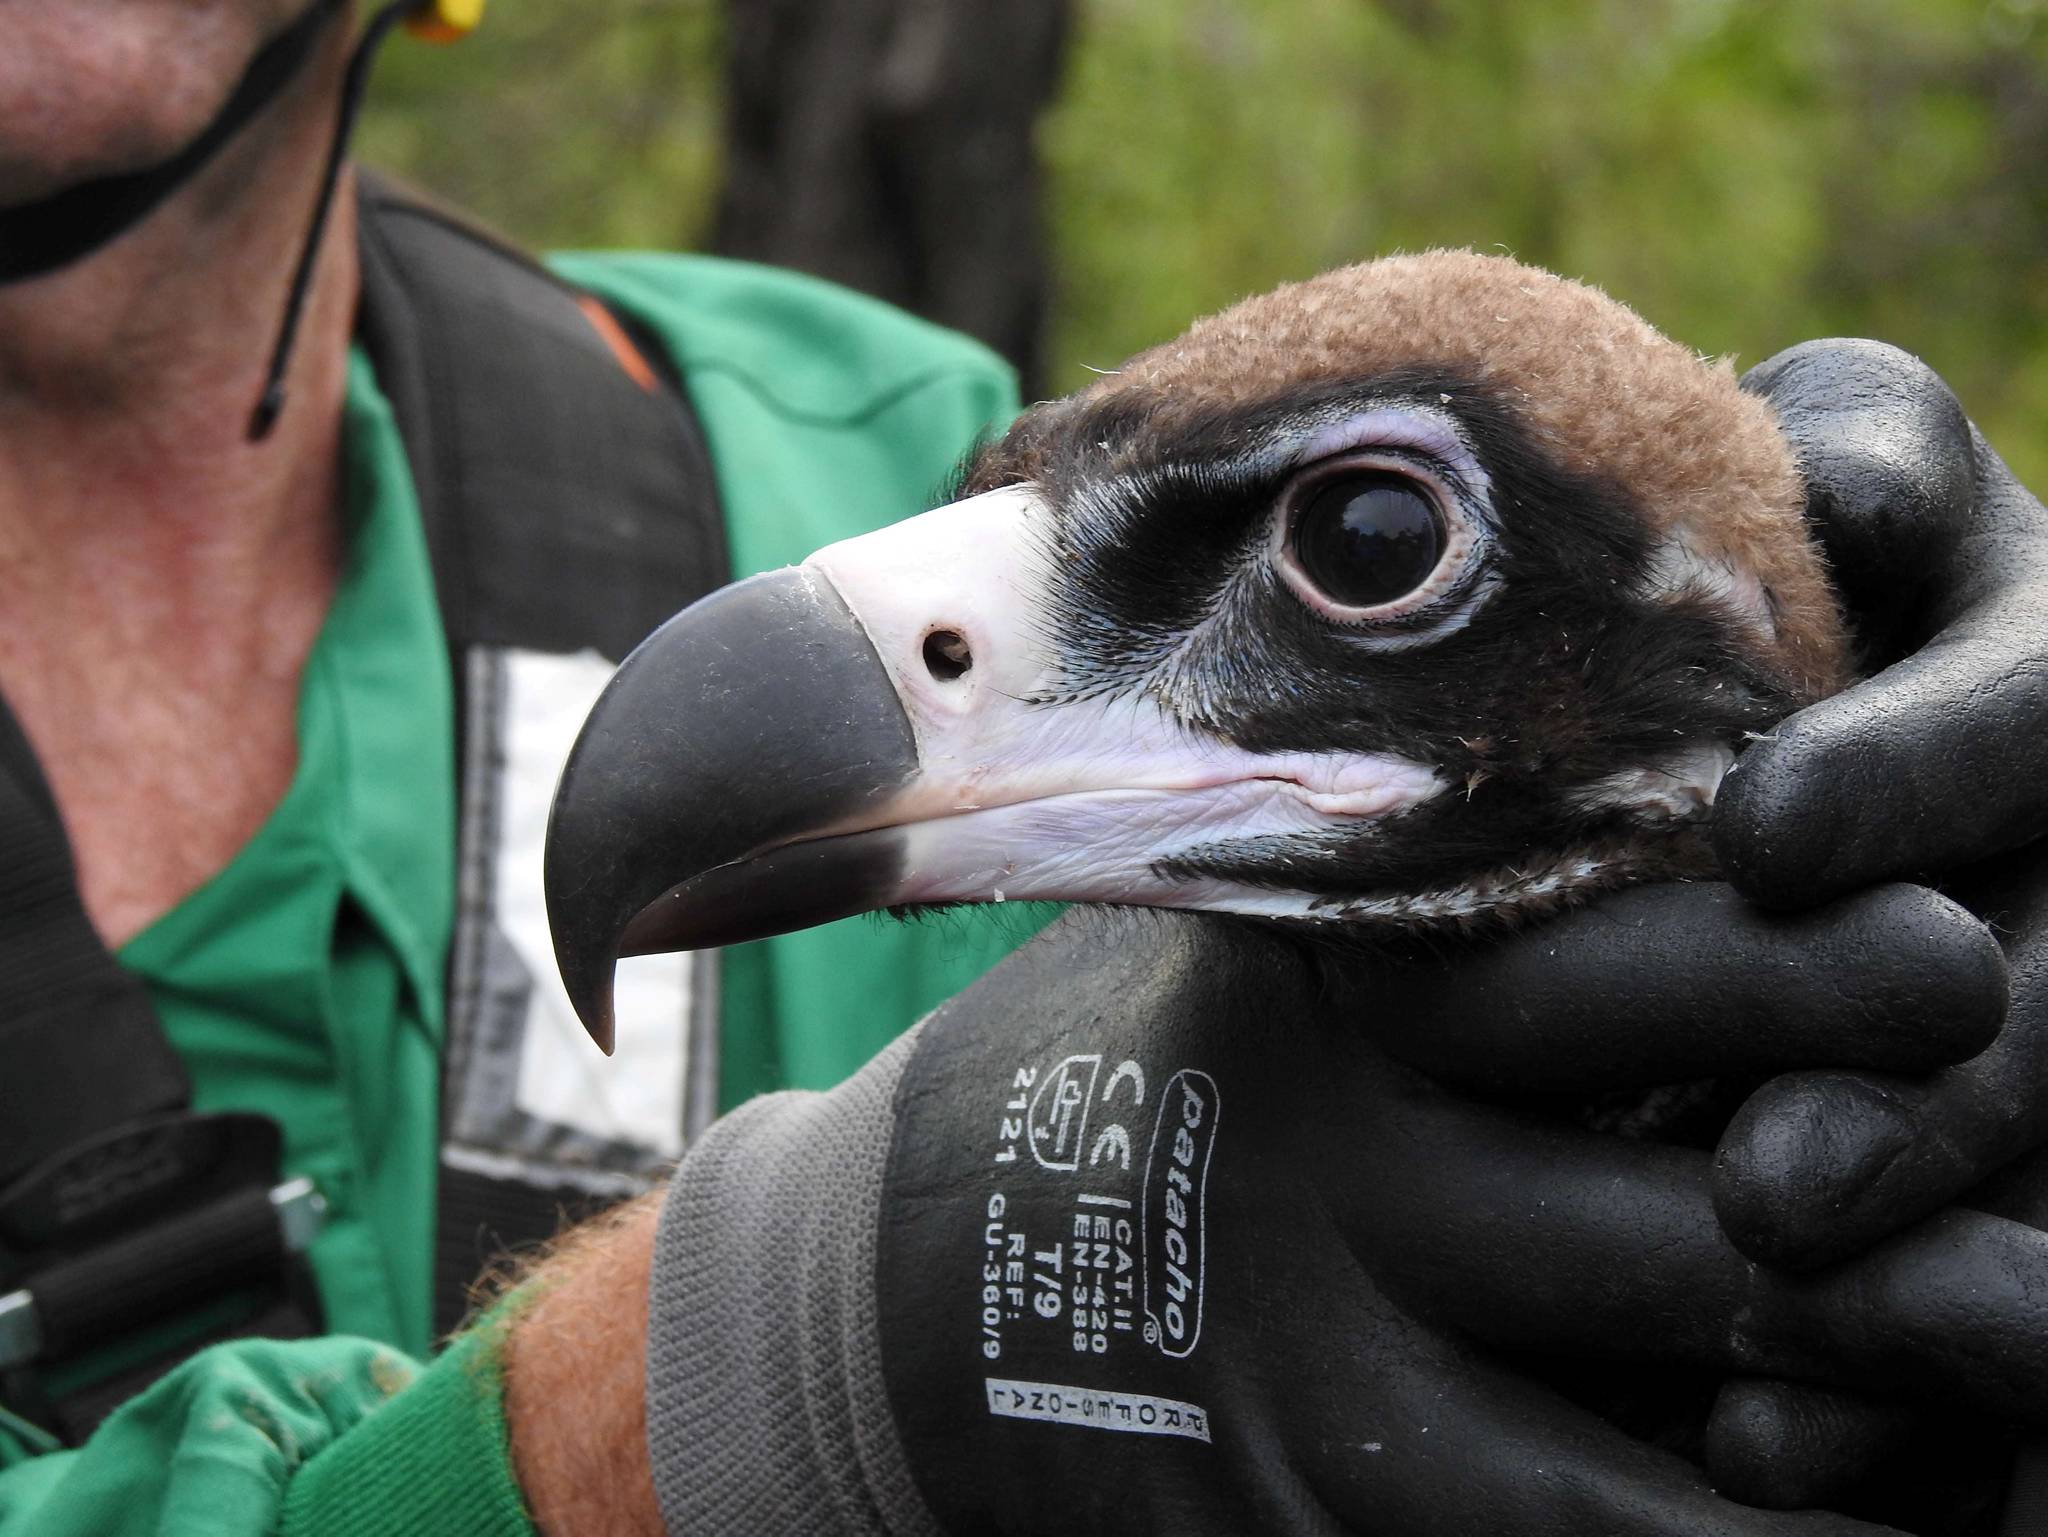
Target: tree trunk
(887, 145)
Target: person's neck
(162, 579)
(127, 380)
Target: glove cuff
(766, 1410)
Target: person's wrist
(574, 1353)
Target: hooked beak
(884, 725)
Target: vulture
(1431, 591)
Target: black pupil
(1368, 539)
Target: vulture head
(1427, 591)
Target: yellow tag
(445, 21)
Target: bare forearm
(574, 1364)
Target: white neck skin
(161, 579)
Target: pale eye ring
(1367, 540)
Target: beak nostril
(946, 655)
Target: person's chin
(96, 88)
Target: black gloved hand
(1938, 761)
(1665, 983)
(1322, 1242)
(1942, 556)
(1168, 1245)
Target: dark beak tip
(585, 942)
(708, 746)
(588, 980)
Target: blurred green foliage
(1746, 173)
(563, 122)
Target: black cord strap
(271, 402)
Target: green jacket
(306, 979)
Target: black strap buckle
(135, 1226)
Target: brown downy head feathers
(1597, 387)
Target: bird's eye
(1365, 540)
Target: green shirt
(305, 979)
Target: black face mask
(43, 236)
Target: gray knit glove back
(765, 1405)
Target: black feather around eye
(1160, 584)
(1158, 534)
